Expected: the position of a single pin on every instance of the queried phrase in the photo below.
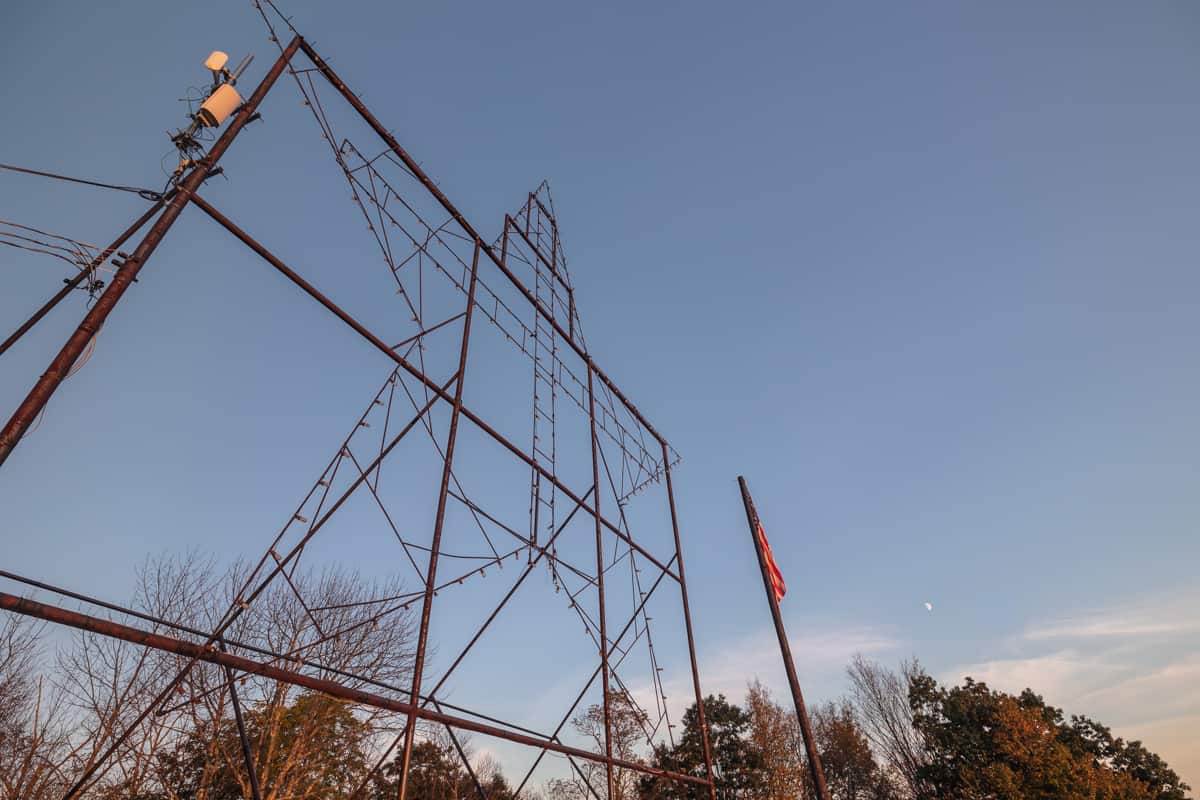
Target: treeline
(897, 735)
(900, 735)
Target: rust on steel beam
(72, 283)
(450, 208)
(438, 524)
(687, 620)
(54, 375)
(600, 585)
(212, 655)
(407, 366)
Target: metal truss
(515, 288)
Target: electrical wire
(79, 364)
(145, 194)
(80, 254)
(84, 358)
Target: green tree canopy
(737, 763)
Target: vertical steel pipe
(687, 620)
(439, 521)
(600, 583)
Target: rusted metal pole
(439, 522)
(84, 273)
(196, 652)
(810, 746)
(241, 726)
(687, 620)
(29, 409)
(600, 583)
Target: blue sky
(923, 274)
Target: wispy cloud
(1119, 623)
(1058, 675)
(1172, 688)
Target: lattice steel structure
(575, 523)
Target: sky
(924, 274)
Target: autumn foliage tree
(774, 732)
(851, 770)
(985, 744)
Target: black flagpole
(814, 759)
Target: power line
(145, 194)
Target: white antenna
(216, 62)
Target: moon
(929, 606)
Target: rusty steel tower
(495, 443)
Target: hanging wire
(145, 194)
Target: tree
(738, 768)
(629, 730)
(304, 745)
(33, 742)
(436, 772)
(987, 744)
(774, 733)
(851, 772)
(1091, 739)
(879, 697)
(316, 750)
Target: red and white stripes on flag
(777, 584)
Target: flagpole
(810, 746)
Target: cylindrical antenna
(237, 72)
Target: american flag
(777, 583)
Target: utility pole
(127, 273)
